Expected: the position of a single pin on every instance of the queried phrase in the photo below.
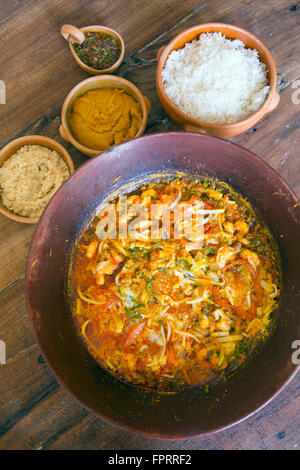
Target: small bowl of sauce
(103, 111)
(96, 49)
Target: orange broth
(164, 313)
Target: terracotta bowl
(220, 130)
(188, 413)
(75, 35)
(104, 81)
(12, 147)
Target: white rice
(216, 80)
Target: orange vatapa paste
(105, 117)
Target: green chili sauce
(99, 50)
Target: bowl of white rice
(217, 79)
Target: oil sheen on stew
(169, 312)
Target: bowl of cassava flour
(32, 169)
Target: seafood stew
(168, 311)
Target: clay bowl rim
(245, 123)
(61, 380)
(143, 101)
(104, 29)
(9, 149)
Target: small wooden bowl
(12, 148)
(221, 130)
(105, 81)
(75, 35)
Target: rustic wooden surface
(36, 65)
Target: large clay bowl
(191, 412)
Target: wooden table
(38, 70)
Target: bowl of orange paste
(103, 111)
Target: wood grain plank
(9, 9)
(275, 427)
(276, 139)
(38, 70)
(16, 236)
(24, 379)
(36, 63)
(52, 417)
(59, 423)
(14, 242)
(269, 20)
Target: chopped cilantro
(205, 269)
(133, 313)
(183, 263)
(241, 348)
(149, 286)
(137, 253)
